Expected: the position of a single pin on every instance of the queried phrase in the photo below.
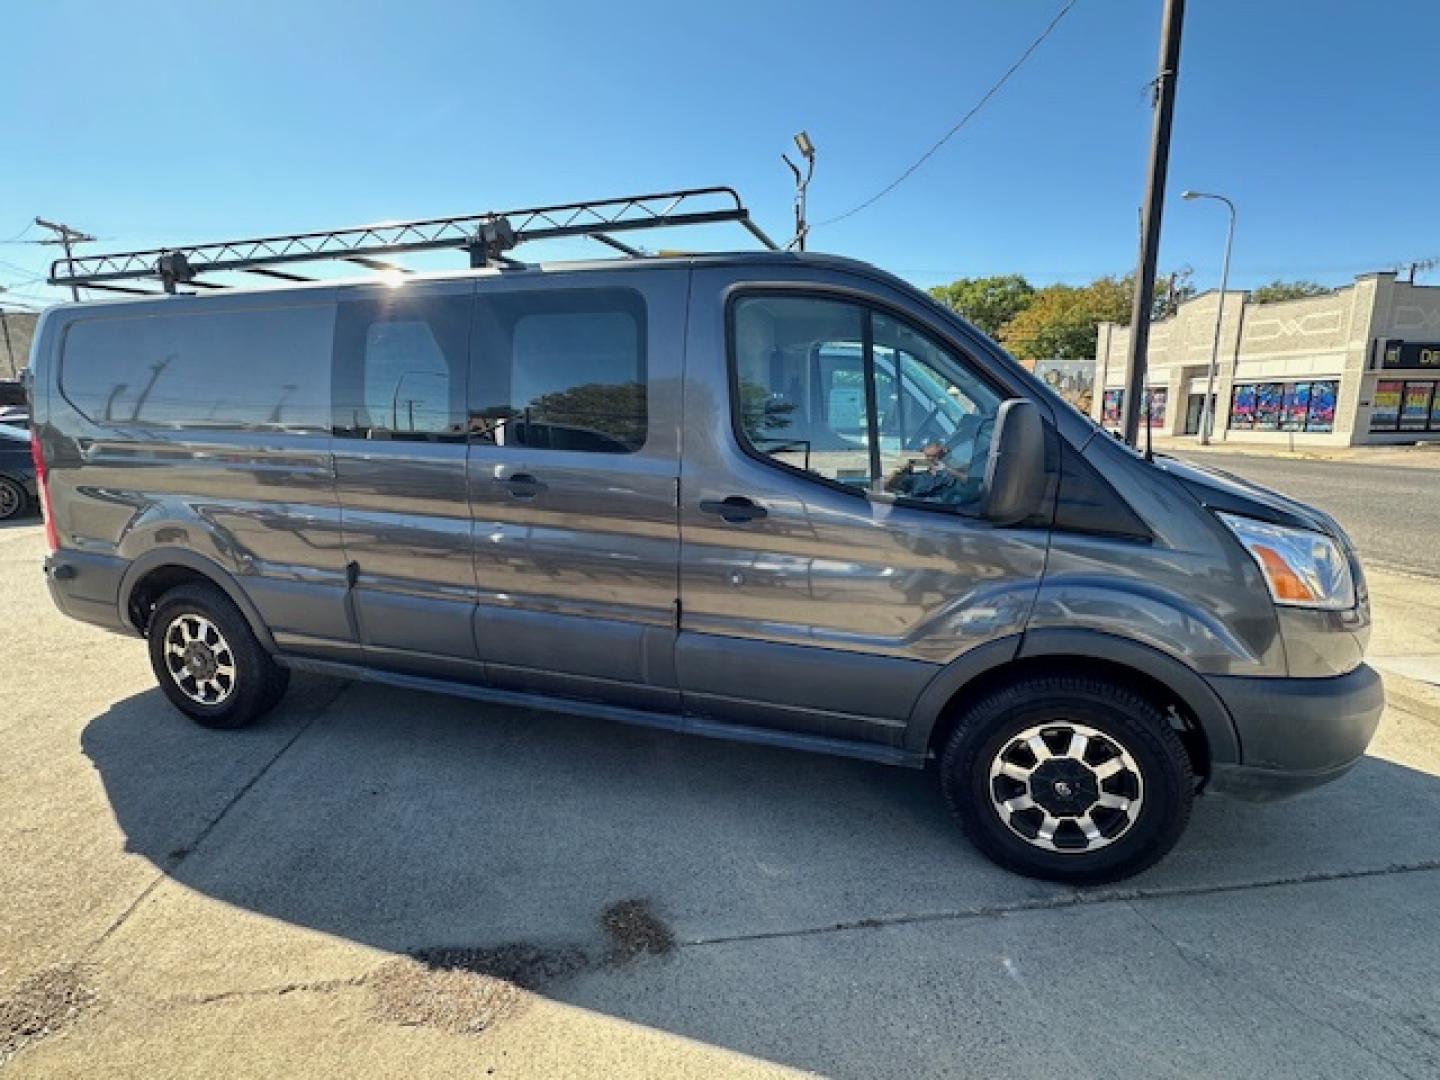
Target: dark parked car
(17, 474)
(12, 393)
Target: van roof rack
(485, 237)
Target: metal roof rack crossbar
(485, 237)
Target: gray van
(775, 497)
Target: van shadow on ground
(407, 821)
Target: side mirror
(1015, 478)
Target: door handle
(736, 509)
(522, 485)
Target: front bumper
(1296, 734)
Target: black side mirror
(1015, 471)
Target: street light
(1207, 411)
(802, 181)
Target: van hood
(1219, 490)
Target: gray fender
(1183, 681)
(155, 558)
(950, 680)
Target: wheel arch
(160, 569)
(1206, 728)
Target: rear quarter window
(265, 369)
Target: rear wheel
(209, 662)
(12, 499)
(1070, 779)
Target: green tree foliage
(1287, 290)
(1057, 322)
(989, 302)
(1061, 320)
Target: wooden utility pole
(1165, 80)
(67, 238)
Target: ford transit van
(774, 497)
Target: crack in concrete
(322, 986)
(188, 849)
(1068, 900)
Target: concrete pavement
(235, 903)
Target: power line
(67, 238)
(995, 89)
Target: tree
(1170, 291)
(1061, 320)
(988, 302)
(1287, 290)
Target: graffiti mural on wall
(1073, 380)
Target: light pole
(802, 182)
(1207, 410)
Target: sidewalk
(1417, 456)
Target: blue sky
(148, 122)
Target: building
(17, 329)
(1360, 365)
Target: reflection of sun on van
(764, 496)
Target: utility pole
(9, 349)
(66, 237)
(1169, 73)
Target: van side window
(859, 398)
(560, 370)
(401, 368)
(238, 370)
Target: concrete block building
(1360, 365)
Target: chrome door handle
(736, 509)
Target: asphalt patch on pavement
(633, 928)
(41, 1005)
(467, 991)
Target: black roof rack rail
(486, 237)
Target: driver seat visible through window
(860, 399)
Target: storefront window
(1385, 409)
(1405, 406)
(1321, 416)
(1299, 406)
(1415, 406)
(1242, 407)
(1269, 399)
(1112, 406)
(1155, 399)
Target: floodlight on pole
(1207, 411)
(802, 182)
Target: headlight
(1302, 568)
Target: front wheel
(209, 662)
(1070, 779)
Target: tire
(13, 500)
(1099, 815)
(209, 662)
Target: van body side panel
(859, 602)
(401, 364)
(576, 539)
(171, 428)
